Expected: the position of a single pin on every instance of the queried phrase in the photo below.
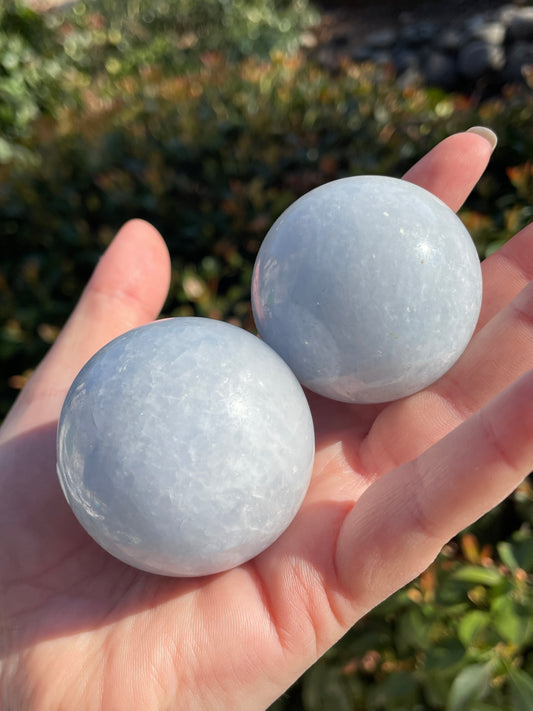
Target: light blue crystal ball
(185, 447)
(368, 287)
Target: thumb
(127, 289)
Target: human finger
(506, 272)
(497, 355)
(451, 169)
(500, 351)
(127, 289)
(401, 522)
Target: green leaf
(471, 625)
(521, 689)
(507, 555)
(477, 575)
(512, 620)
(444, 655)
(436, 687)
(324, 689)
(313, 685)
(400, 690)
(470, 685)
(523, 550)
(373, 634)
(413, 630)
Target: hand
(81, 630)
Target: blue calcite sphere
(185, 446)
(368, 287)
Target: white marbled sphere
(368, 287)
(185, 446)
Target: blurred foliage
(173, 34)
(32, 81)
(208, 120)
(47, 59)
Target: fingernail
(486, 133)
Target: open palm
(81, 630)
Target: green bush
(32, 82)
(45, 60)
(148, 118)
(175, 33)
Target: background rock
(456, 45)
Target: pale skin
(392, 484)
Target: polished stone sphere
(368, 287)
(185, 446)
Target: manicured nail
(486, 133)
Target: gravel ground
(360, 17)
